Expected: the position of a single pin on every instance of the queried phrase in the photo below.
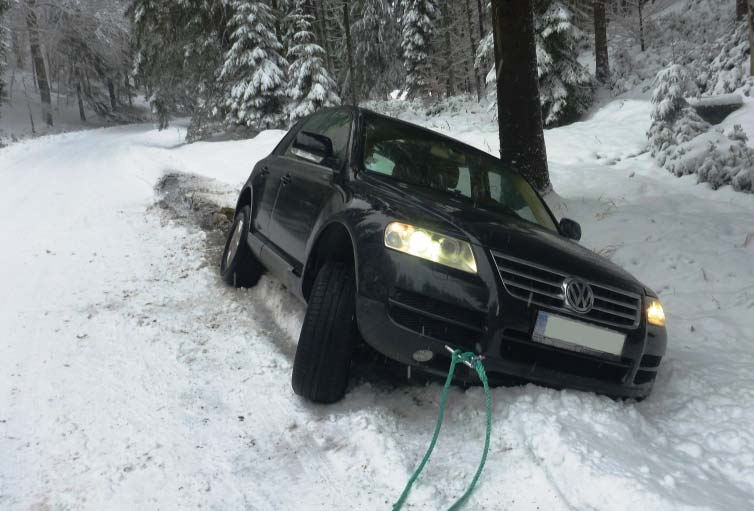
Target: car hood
(513, 236)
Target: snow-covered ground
(130, 378)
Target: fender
(338, 221)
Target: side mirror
(570, 229)
(312, 147)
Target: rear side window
(335, 125)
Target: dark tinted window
(421, 158)
(334, 124)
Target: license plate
(576, 336)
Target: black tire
(241, 268)
(328, 335)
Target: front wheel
(239, 267)
(325, 346)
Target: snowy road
(130, 378)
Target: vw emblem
(578, 295)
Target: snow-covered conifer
(310, 86)
(180, 46)
(727, 71)
(673, 120)
(417, 30)
(727, 161)
(684, 144)
(565, 86)
(254, 70)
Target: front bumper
(418, 306)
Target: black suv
(416, 242)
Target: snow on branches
(310, 86)
(418, 27)
(684, 144)
(254, 70)
(565, 86)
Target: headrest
(444, 177)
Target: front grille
(436, 319)
(543, 286)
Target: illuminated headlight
(655, 314)
(430, 246)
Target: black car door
(307, 185)
(266, 183)
(265, 189)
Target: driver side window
(333, 124)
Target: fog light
(655, 313)
(423, 356)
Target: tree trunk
(111, 91)
(480, 5)
(472, 46)
(640, 5)
(751, 36)
(320, 14)
(352, 83)
(28, 106)
(127, 83)
(600, 41)
(741, 10)
(82, 114)
(451, 78)
(519, 112)
(16, 42)
(38, 61)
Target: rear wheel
(239, 267)
(328, 335)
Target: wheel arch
(333, 243)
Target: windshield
(420, 158)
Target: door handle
(286, 179)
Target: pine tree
(685, 144)
(180, 46)
(565, 86)
(673, 120)
(375, 35)
(254, 69)
(417, 31)
(310, 86)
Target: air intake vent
(543, 286)
(436, 319)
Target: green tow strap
(474, 361)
